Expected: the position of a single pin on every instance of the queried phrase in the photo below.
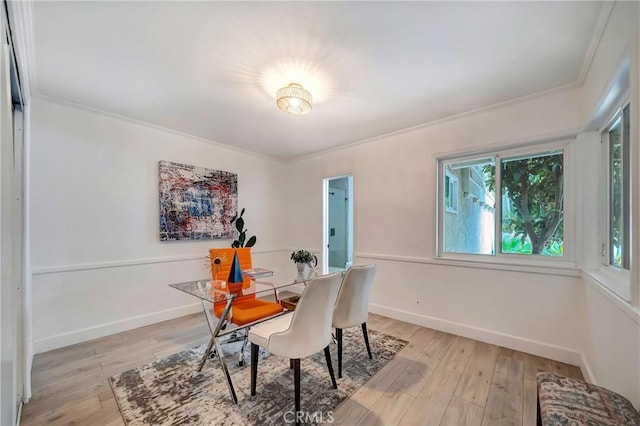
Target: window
(524, 216)
(616, 241)
(450, 192)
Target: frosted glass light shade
(294, 99)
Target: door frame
(325, 219)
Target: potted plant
(304, 258)
(216, 257)
(242, 233)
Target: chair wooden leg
(366, 339)
(255, 351)
(339, 339)
(327, 355)
(296, 386)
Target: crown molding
(98, 111)
(602, 22)
(511, 102)
(24, 10)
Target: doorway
(337, 252)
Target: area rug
(171, 392)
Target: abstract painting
(196, 203)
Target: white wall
(395, 226)
(612, 326)
(563, 317)
(98, 264)
(100, 268)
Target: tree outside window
(531, 211)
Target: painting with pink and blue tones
(196, 203)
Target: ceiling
(211, 69)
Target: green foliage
(534, 186)
(513, 244)
(521, 244)
(555, 248)
(242, 233)
(304, 256)
(615, 213)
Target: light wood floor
(437, 379)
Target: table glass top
(263, 287)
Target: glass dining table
(218, 299)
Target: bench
(566, 401)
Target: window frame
(568, 260)
(453, 188)
(618, 279)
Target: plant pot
(302, 267)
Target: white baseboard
(546, 350)
(587, 373)
(77, 336)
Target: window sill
(561, 268)
(532, 265)
(607, 283)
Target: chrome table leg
(225, 370)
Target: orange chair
(246, 308)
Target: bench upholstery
(566, 401)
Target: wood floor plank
(461, 412)
(56, 401)
(348, 414)
(79, 410)
(510, 353)
(108, 343)
(504, 404)
(417, 342)
(435, 379)
(425, 353)
(534, 364)
(106, 396)
(413, 378)
(476, 379)
(436, 349)
(62, 372)
(102, 416)
(458, 354)
(566, 370)
(424, 363)
(406, 330)
(389, 408)
(431, 403)
(61, 356)
(529, 402)
(372, 390)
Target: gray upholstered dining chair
(301, 334)
(352, 305)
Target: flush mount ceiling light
(294, 99)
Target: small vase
(302, 267)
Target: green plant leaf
(235, 244)
(241, 239)
(240, 224)
(251, 242)
(241, 212)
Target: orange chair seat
(250, 310)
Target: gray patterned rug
(171, 392)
